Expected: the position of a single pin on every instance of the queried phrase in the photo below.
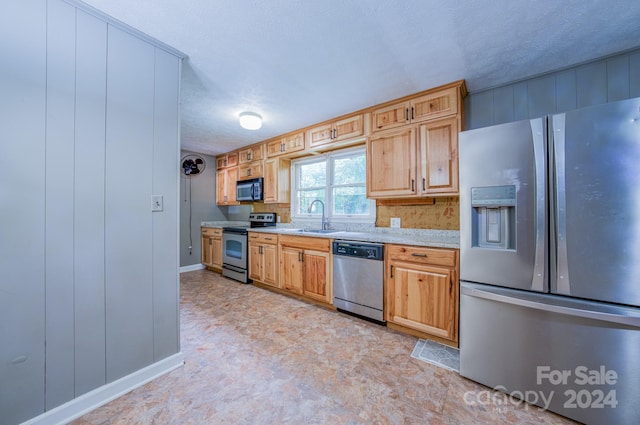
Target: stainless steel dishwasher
(358, 271)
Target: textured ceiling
(299, 62)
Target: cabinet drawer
(268, 238)
(303, 242)
(212, 231)
(422, 255)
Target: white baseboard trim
(191, 268)
(87, 402)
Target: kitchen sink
(317, 231)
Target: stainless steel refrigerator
(550, 261)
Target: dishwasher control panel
(359, 250)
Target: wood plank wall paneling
(22, 203)
(283, 211)
(601, 81)
(443, 215)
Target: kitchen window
(339, 180)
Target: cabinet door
(422, 298)
(291, 269)
(316, 276)
(255, 153)
(255, 262)
(276, 181)
(250, 171)
(293, 143)
(221, 187)
(206, 251)
(216, 252)
(434, 105)
(390, 116)
(439, 157)
(270, 264)
(348, 128)
(320, 135)
(232, 178)
(275, 148)
(226, 186)
(391, 164)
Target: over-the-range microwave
(249, 190)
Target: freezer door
(577, 358)
(597, 173)
(503, 231)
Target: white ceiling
(299, 62)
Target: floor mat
(437, 354)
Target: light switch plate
(157, 203)
(395, 222)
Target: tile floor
(256, 357)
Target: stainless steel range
(234, 246)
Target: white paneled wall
(89, 118)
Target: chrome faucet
(325, 222)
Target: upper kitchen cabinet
(226, 186)
(251, 154)
(276, 181)
(439, 157)
(227, 160)
(342, 132)
(286, 145)
(427, 106)
(391, 164)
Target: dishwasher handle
(356, 249)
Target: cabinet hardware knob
(406, 114)
(424, 184)
(412, 116)
(391, 274)
(419, 255)
(413, 185)
(249, 156)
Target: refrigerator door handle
(495, 294)
(538, 133)
(562, 271)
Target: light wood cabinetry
(439, 157)
(212, 247)
(286, 145)
(336, 132)
(251, 170)
(276, 181)
(415, 110)
(421, 290)
(226, 186)
(227, 160)
(263, 258)
(305, 267)
(414, 161)
(391, 164)
(251, 154)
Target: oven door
(234, 249)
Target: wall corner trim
(87, 402)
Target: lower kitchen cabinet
(305, 267)
(263, 258)
(212, 247)
(422, 290)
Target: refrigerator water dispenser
(493, 217)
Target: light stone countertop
(416, 237)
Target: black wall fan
(193, 165)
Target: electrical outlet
(395, 222)
(157, 203)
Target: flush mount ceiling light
(250, 120)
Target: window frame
(330, 158)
